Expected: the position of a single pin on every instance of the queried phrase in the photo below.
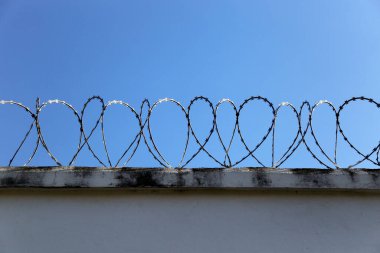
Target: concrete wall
(119, 220)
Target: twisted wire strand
(250, 152)
(285, 156)
(321, 102)
(201, 145)
(83, 133)
(19, 105)
(145, 133)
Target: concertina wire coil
(144, 135)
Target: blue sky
(131, 50)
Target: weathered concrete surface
(239, 178)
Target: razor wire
(144, 135)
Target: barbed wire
(145, 132)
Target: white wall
(193, 221)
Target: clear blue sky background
(131, 50)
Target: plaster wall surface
(119, 220)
